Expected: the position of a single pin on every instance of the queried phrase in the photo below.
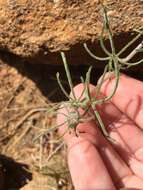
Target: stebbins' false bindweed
(114, 64)
(86, 102)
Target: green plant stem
(68, 74)
(107, 27)
(49, 130)
(129, 44)
(102, 43)
(133, 53)
(98, 88)
(62, 88)
(101, 124)
(94, 56)
(130, 64)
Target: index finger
(128, 97)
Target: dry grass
(23, 116)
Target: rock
(30, 27)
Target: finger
(87, 168)
(128, 97)
(128, 137)
(118, 169)
(132, 183)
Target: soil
(22, 119)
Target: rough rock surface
(28, 27)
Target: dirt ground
(23, 116)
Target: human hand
(94, 162)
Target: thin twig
(132, 54)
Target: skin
(94, 162)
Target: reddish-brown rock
(28, 27)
